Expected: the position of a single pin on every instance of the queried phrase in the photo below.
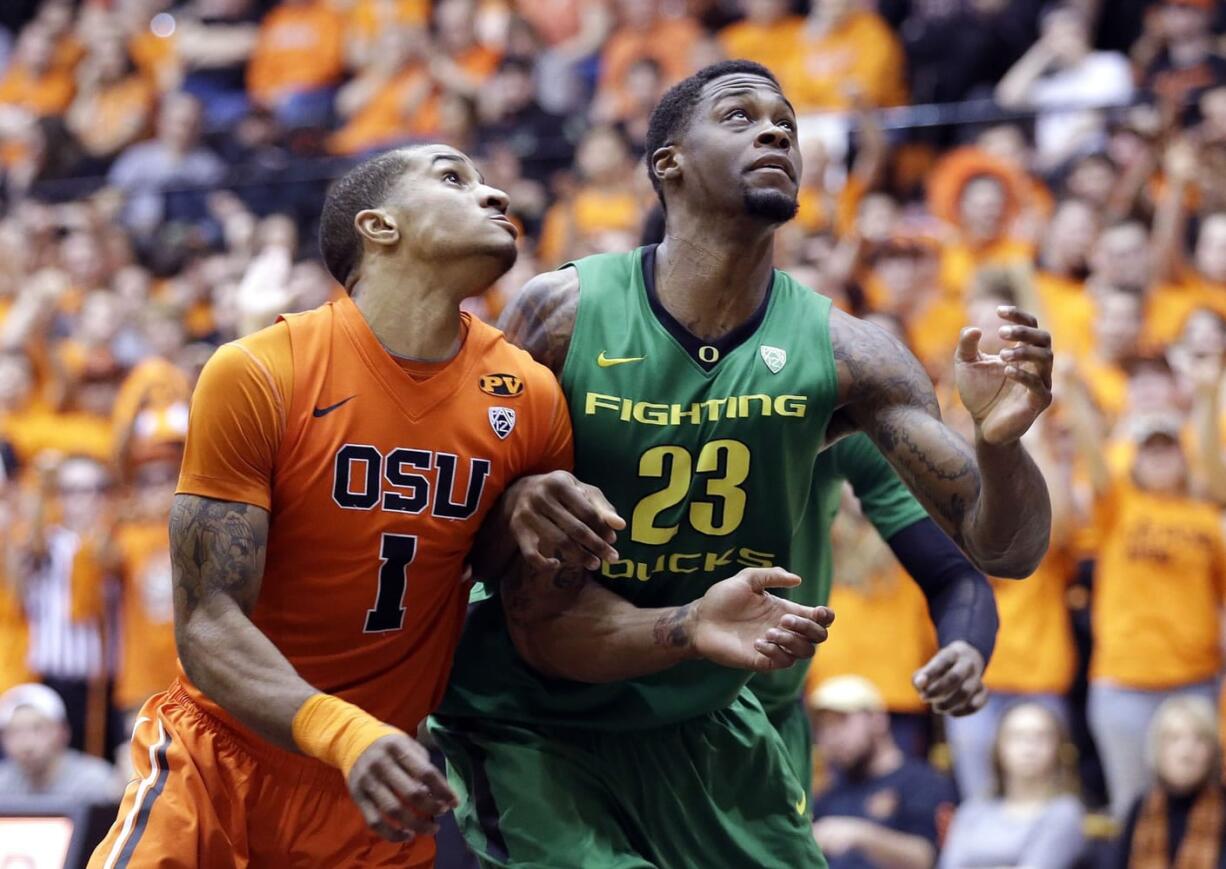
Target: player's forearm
(1008, 531)
(228, 658)
(596, 635)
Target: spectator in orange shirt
(298, 61)
(605, 212)
(114, 103)
(461, 63)
(1159, 584)
(842, 45)
(1118, 324)
(390, 100)
(769, 34)
(643, 30)
(33, 81)
(1066, 308)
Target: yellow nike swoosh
(802, 804)
(604, 361)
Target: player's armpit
(990, 498)
(217, 553)
(541, 317)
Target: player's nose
(492, 197)
(775, 136)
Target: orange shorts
(209, 796)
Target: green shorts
(715, 791)
(793, 725)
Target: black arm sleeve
(960, 600)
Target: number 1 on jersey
(396, 552)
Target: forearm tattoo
(216, 547)
(671, 629)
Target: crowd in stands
(162, 167)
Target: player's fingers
(418, 766)
(1016, 315)
(968, 344)
(419, 806)
(945, 687)
(580, 538)
(386, 810)
(977, 702)
(963, 701)
(608, 513)
(593, 511)
(770, 656)
(531, 548)
(937, 666)
(1026, 335)
(762, 578)
(810, 630)
(794, 644)
(1029, 379)
(1027, 353)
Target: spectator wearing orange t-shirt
(841, 49)
(1118, 325)
(298, 62)
(461, 64)
(114, 104)
(605, 212)
(1159, 584)
(769, 34)
(644, 30)
(390, 100)
(33, 81)
(1067, 310)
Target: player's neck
(412, 316)
(710, 282)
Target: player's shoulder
(265, 355)
(515, 366)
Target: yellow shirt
(861, 50)
(773, 45)
(960, 261)
(1034, 647)
(1158, 589)
(1068, 313)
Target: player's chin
(770, 202)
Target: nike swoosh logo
(324, 411)
(604, 361)
(802, 804)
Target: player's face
(740, 152)
(445, 210)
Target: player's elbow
(1019, 562)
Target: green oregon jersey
(710, 465)
(884, 500)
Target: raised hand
(398, 790)
(1005, 393)
(738, 623)
(952, 682)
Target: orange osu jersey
(377, 474)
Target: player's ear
(377, 226)
(666, 163)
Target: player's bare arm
(990, 498)
(541, 318)
(217, 552)
(568, 626)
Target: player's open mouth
(505, 222)
(773, 165)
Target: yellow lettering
(693, 415)
(674, 562)
(651, 414)
(621, 569)
(627, 407)
(753, 558)
(790, 405)
(743, 401)
(596, 400)
(713, 405)
(715, 559)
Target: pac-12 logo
(502, 385)
(502, 420)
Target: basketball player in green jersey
(586, 724)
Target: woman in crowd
(1034, 820)
(1179, 822)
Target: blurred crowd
(162, 166)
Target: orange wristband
(329, 729)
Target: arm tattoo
(885, 393)
(670, 628)
(216, 547)
(541, 318)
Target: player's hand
(738, 623)
(398, 790)
(1005, 393)
(556, 519)
(952, 682)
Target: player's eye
(735, 113)
(786, 124)
(452, 178)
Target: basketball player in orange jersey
(337, 468)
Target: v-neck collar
(415, 398)
(688, 341)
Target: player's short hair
(672, 115)
(366, 185)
